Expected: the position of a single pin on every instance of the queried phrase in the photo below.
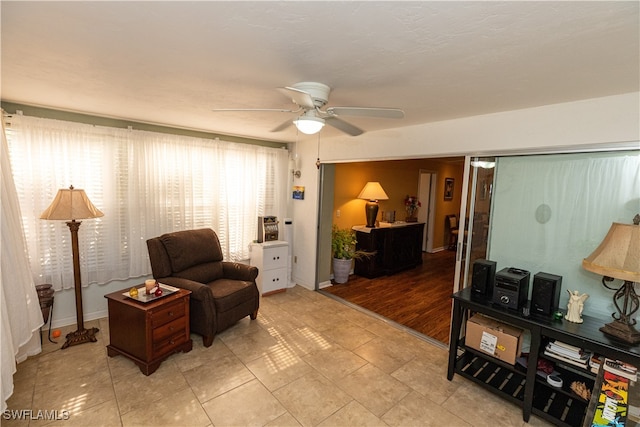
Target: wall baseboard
(326, 284)
(67, 321)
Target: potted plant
(343, 249)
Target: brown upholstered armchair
(221, 292)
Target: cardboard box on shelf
(498, 339)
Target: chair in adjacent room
(222, 292)
(451, 223)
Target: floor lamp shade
(372, 192)
(71, 204)
(618, 257)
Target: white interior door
(426, 195)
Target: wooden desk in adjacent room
(396, 247)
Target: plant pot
(341, 270)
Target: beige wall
(606, 123)
(399, 178)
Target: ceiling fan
(311, 97)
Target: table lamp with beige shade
(372, 192)
(618, 257)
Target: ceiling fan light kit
(309, 125)
(311, 97)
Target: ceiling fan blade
(386, 113)
(276, 110)
(298, 96)
(282, 126)
(343, 126)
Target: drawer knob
(170, 314)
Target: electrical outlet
(338, 213)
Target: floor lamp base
(80, 336)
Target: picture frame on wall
(448, 188)
(298, 192)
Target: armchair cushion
(203, 273)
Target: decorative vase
(341, 270)
(411, 214)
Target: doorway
(426, 192)
(430, 283)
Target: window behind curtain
(146, 184)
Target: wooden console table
(148, 333)
(396, 248)
(521, 385)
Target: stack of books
(595, 362)
(568, 354)
(622, 369)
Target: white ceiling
(173, 62)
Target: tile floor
(307, 360)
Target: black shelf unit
(559, 406)
(502, 380)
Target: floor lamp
(72, 204)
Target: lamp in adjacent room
(72, 204)
(372, 192)
(618, 257)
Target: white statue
(575, 306)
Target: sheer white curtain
(552, 211)
(146, 184)
(20, 315)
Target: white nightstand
(271, 258)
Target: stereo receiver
(511, 288)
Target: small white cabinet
(271, 258)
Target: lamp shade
(373, 191)
(309, 125)
(618, 255)
(70, 204)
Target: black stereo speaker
(484, 274)
(545, 296)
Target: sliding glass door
(475, 216)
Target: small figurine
(575, 306)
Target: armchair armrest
(199, 291)
(239, 271)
